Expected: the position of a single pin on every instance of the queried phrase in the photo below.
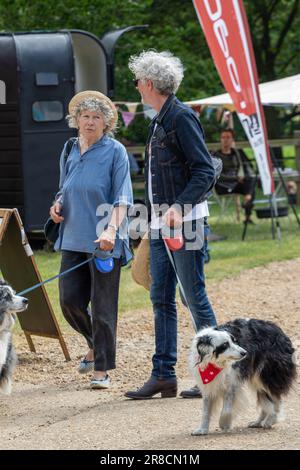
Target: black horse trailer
(39, 74)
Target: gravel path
(51, 406)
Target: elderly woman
(91, 205)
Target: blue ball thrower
(104, 261)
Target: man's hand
(173, 218)
(240, 179)
(55, 211)
(107, 239)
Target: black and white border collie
(9, 305)
(252, 352)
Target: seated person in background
(237, 175)
(292, 188)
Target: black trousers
(98, 325)
(245, 187)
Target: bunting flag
(132, 107)
(129, 105)
(127, 117)
(197, 108)
(226, 29)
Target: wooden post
(30, 342)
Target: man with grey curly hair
(162, 68)
(179, 172)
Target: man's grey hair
(162, 68)
(93, 104)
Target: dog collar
(209, 373)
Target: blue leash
(57, 275)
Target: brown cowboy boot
(166, 387)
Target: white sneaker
(100, 383)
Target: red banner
(225, 26)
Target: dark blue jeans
(190, 269)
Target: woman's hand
(55, 211)
(107, 239)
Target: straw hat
(77, 99)
(140, 268)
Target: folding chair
(225, 201)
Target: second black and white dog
(225, 358)
(10, 304)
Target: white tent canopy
(285, 91)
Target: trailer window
(46, 79)
(2, 92)
(47, 111)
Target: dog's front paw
(225, 422)
(255, 424)
(225, 428)
(200, 431)
(5, 387)
(269, 421)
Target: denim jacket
(172, 180)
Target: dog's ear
(204, 344)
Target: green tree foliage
(274, 26)
(173, 25)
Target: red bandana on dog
(209, 373)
